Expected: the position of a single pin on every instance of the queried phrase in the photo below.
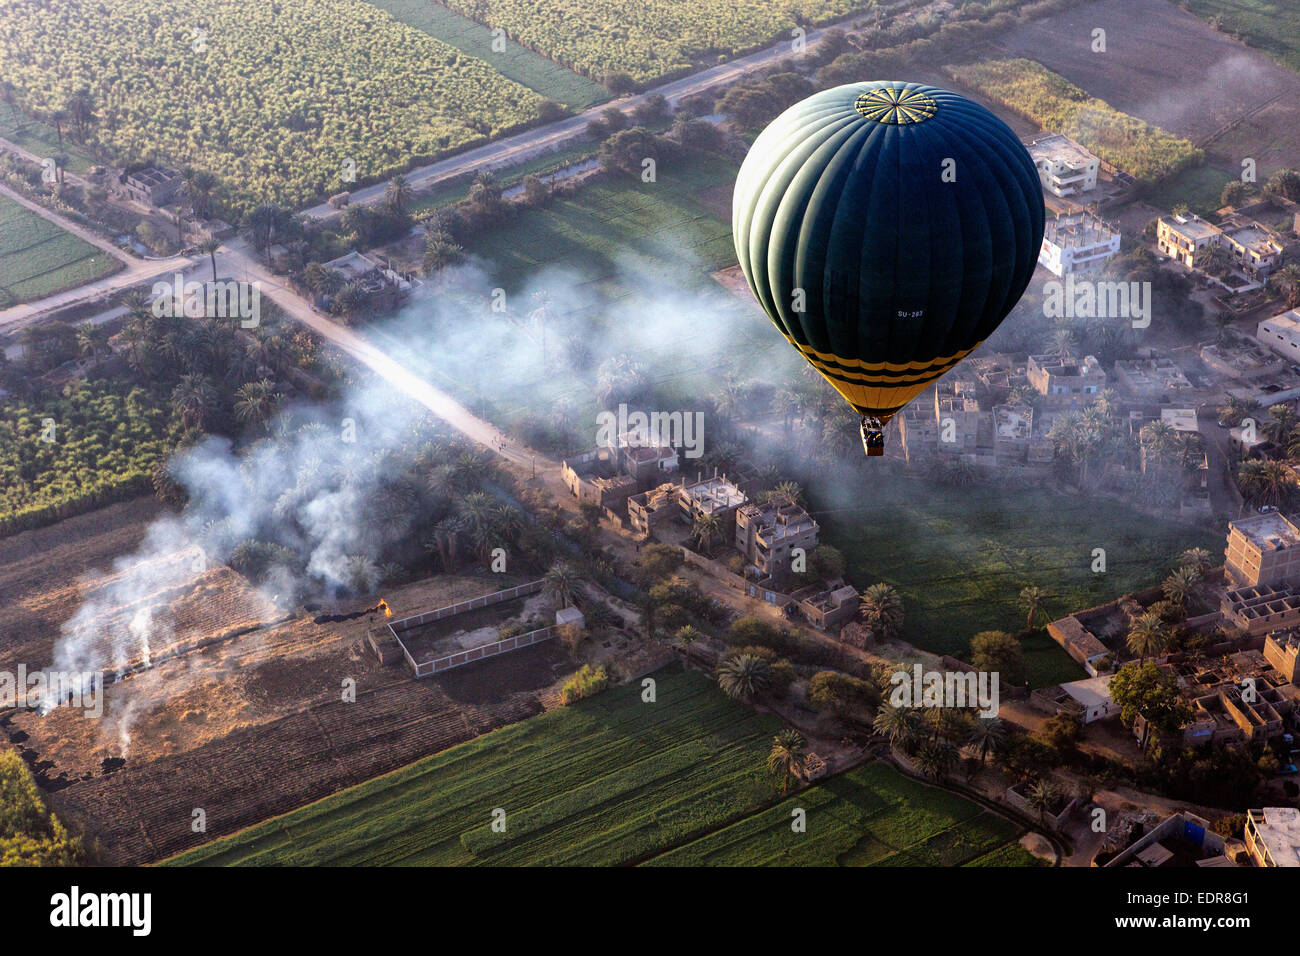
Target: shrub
(587, 682)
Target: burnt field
(143, 811)
(1172, 69)
(238, 706)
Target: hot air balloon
(887, 228)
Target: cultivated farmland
(37, 258)
(614, 780)
(653, 38)
(543, 76)
(1138, 148)
(870, 816)
(1271, 25)
(270, 97)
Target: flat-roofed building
(1281, 334)
(1272, 836)
(766, 534)
(1077, 243)
(711, 496)
(1257, 249)
(1064, 167)
(1182, 237)
(1064, 382)
(1262, 550)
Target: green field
(1270, 25)
(959, 557)
(870, 816)
(610, 780)
(1201, 187)
(40, 139)
(543, 76)
(37, 258)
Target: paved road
(137, 269)
(515, 149)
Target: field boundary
(460, 658)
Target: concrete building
(1273, 836)
(828, 610)
(1080, 643)
(151, 185)
(1257, 249)
(1182, 237)
(593, 477)
(710, 496)
(1013, 431)
(651, 509)
(1064, 382)
(1151, 378)
(1077, 243)
(1281, 334)
(1064, 167)
(1262, 550)
(1093, 697)
(766, 534)
(384, 288)
(1281, 650)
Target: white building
(1064, 167)
(1281, 333)
(1093, 695)
(1273, 836)
(1077, 243)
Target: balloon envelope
(887, 228)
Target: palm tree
(255, 402)
(1148, 637)
(1042, 795)
(900, 724)
(1287, 281)
(194, 399)
(787, 756)
(91, 339)
(706, 528)
(1031, 599)
(988, 735)
(561, 580)
(1265, 482)
(397, 194)
(688, 635)
(1180, 586)
(938, 758)
(209, 247)
(1282, 421)
(1197, 558)
(744, 676)
(444, 540)
(882, 610)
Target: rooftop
(1191, 227)
(1181, 419)
(714, 494)
(1091, 692)
(1059, 148)
(1270, 532)
(1013, 421)
(1279, 831)
(1078, 229)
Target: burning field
(217, 699)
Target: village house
(716, 496)
(1281, 334)
(1077, 243)
(150, 185)
(1182, 237)
(1066, 383)
(1272, 836)
(766, 534)
(1151, 378)
(1064, 167)
(828, 609)
(1262, 549)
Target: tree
(1148, 636)
(256, 402)
(988, 735)
(938, 758)
(744, 676)
(194, 400)
(1266, 482)
(999, 653)
(1282, 421)
(561, 581)
(787, 756)
(1042, 796)
(1286, 183)
(1197, 558)
(1235, 192)
(706, 528)
(687, 636)
(1180, 586)
(1031, 599)
(900, 724)
(91, 339)
(1144, 690)
(208, 247)
(1287, 282)
(840, 693)
(882, 611)
(397, 194)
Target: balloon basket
(873, 437)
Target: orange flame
(383, 606)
